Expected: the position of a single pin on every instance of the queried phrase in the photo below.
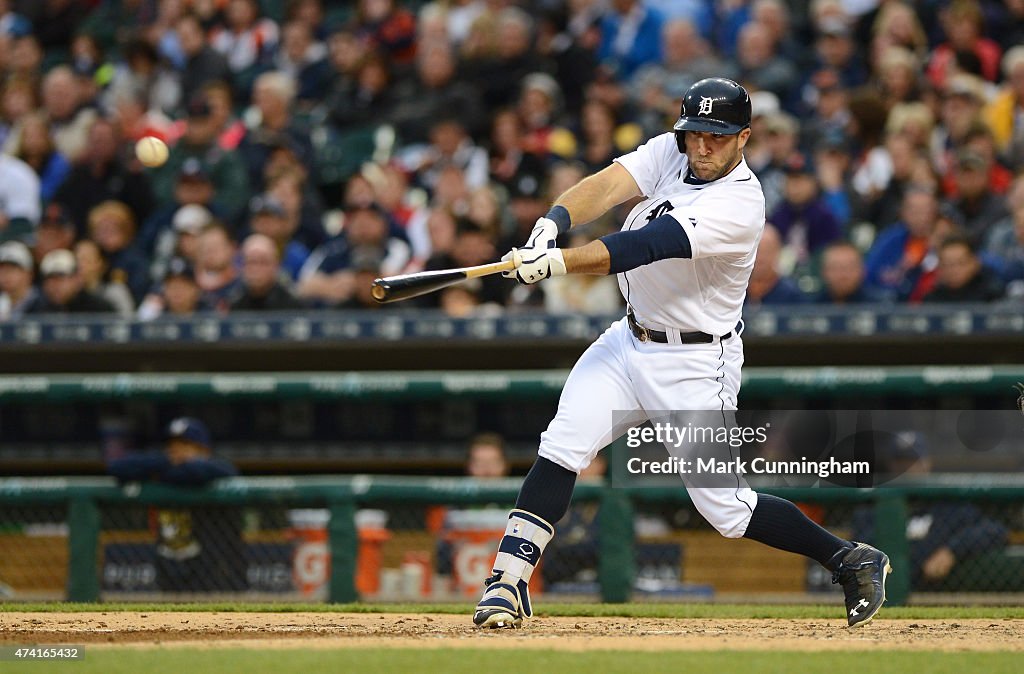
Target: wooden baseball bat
(405, 286)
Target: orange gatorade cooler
(311, 559)
(373, 532)
(474, 535)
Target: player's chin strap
(526, 536)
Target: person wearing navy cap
(186, 460)
(197, 549)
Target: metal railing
(757, 382)
(83, 498)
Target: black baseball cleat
(862, 574)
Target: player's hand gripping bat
(405, 286)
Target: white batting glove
(533, 265)
(543, 235)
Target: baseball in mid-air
(151, 151)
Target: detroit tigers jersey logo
(660, 210)
(705, 105)
(704, 292)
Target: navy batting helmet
(713, 105)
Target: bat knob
(378, 290)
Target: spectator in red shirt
(388, 28)
(980, 141)
(963, 23)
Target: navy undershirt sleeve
(661, 239)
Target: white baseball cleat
(500, 607)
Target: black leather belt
(648, 335)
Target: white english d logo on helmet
(705, 105)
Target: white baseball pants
(619, 377)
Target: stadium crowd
(316, 145)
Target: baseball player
(682, 259)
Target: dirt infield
(341, 630)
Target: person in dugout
(198, 549)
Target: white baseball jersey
(723, 220)
(620, 380)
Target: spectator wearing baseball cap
(781, 139)
(193, 186)
(979, 139)
(55, 231)
(181, 293)
(976, 205)
(181, 239)
(327, 277)
(17, 294)
(63, 290)
(268, 217)
(177, 295)
(804, 220)
(190, 221)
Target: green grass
(374, 661)
(634, 610)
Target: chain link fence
(33, 552)
(417, 551)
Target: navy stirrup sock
(547, 490)
(780, 524)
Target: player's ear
(742, 136)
